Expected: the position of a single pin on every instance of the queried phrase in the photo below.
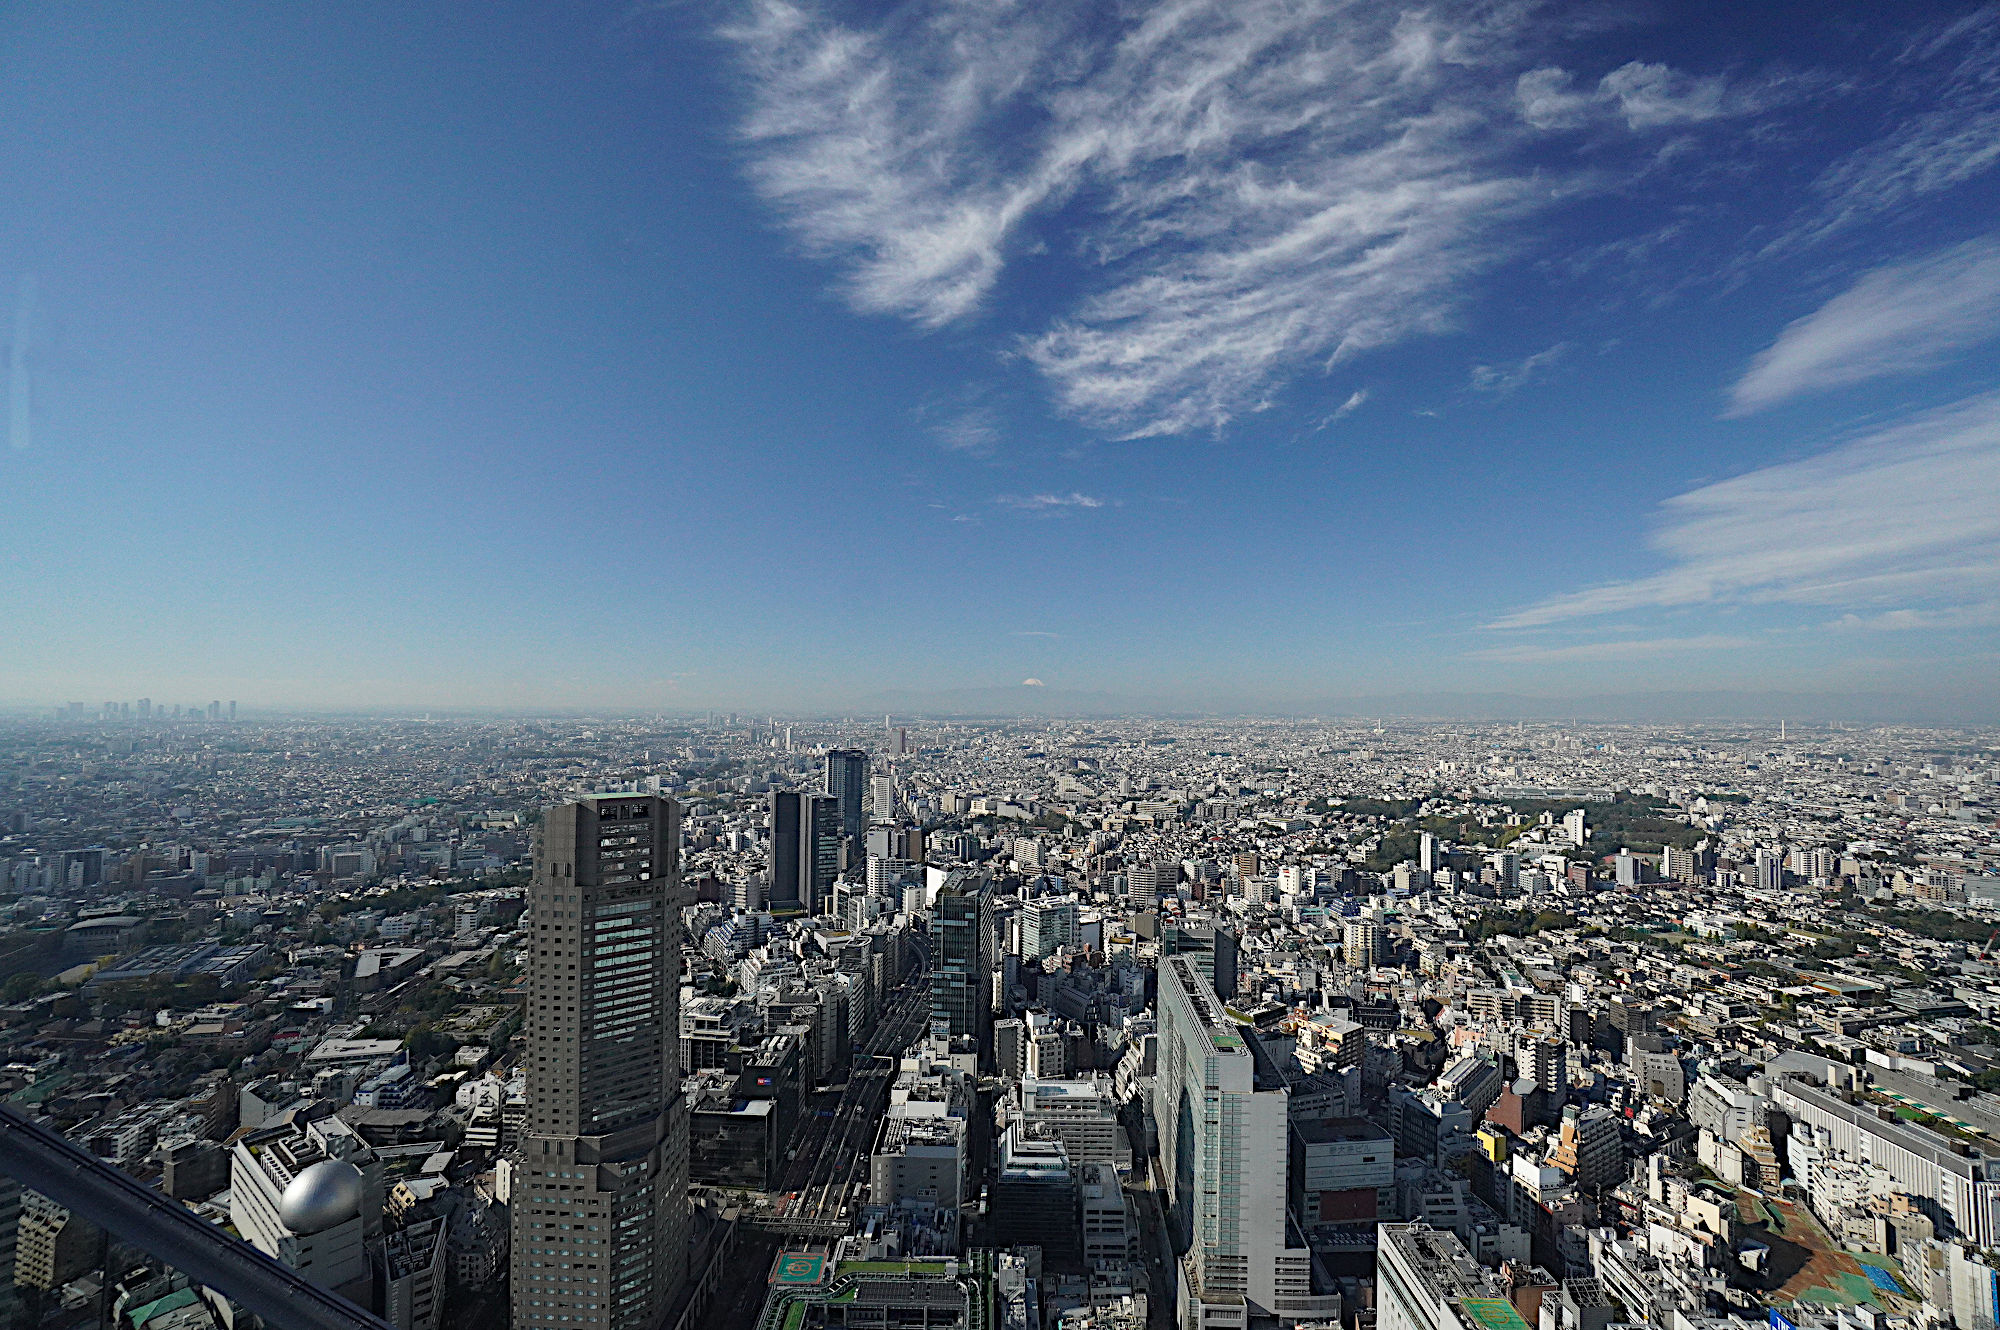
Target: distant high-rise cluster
(144, 710)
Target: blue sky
(785, 356)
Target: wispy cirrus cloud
(1956, 616)
(1623, 648)
(1897, 528)
(1049, 505)
(1643, 95)
(1354, 402)
(1941, 97)
(1898, 319)
(860, 137)
(975, 432)
(1504, 379)
(1253, 187)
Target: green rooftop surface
(43, 1087)
(1492, 1314)
(172, 1302)
(800, 1268)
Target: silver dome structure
(325, 1194)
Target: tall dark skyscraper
(819, 849)
(805, 849)
(783, 894)
(600, 1206)
(962, 960)
(847, 781)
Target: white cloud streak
(975, 432)
(1048, 504)
(1505, 379)
(1255, 187)
(863, 147)
(1943, 102)
(1899, 319)
(1530, 653)
(1644, 96)
(1898, 528)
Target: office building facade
(847, 782)
(819, 850)
(1964, 1188)
(1048, 924)
(1223, 1114)
(805, 851)
(600, 1207)
(962, 960)
(1146, 884)
(312, 1197)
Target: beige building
(51, 1246)
(600, 1207)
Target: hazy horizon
(1805, 711)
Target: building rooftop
(1316, 1131)
(1926, 1145)
(1443, 1263)
(1223, 1035)
(903, 1131)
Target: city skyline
(1112, 1024)
(1223, 358)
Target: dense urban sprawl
(1098, 1024)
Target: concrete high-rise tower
(962, 960)
(805, 850)
(1361, 942)
(784, 894)
(1147, 884)
(819, 850)
(847, 781)
(1048, 924)
(600, 1208)
(1546, 1062)
(1223, 1111)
